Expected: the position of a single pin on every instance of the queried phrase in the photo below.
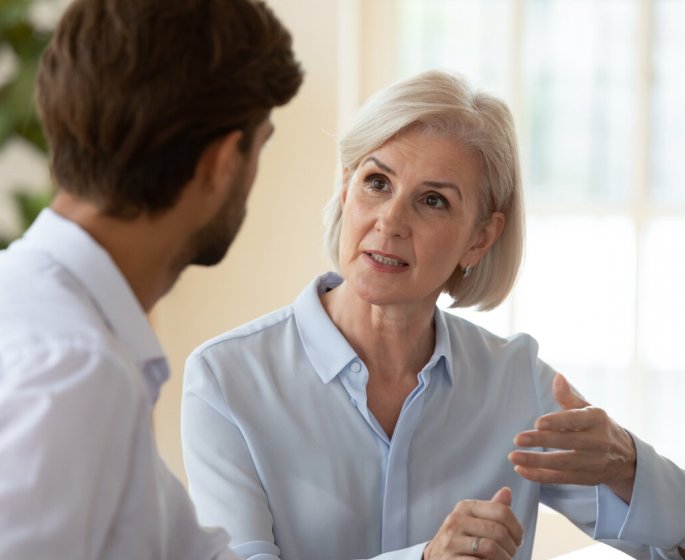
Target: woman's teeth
(386, 260)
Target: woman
(363, 421)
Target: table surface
(596, 551)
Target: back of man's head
(131, 92)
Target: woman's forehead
(431, 151)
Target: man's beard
(209, 245)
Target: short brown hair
(131, 92)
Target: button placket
(396, 494)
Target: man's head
(132, 92)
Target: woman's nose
(393, 220)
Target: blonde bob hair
(442, 103)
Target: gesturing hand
(591, 448)
(478, 529)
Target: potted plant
(21, 43)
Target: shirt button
(356, 367)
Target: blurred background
(597, 89)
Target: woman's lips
(386, 261)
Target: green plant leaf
(18, 116)
(13, 12)
(17, 110)
(30, 205)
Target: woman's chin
(380, 294)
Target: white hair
(444, 104)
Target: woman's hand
(478, 529)
(592, 448)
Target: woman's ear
(346, 176)
(485, 238)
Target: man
(155, 112)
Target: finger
(495, 539)
(500, 514)
(558, 460)
(491, 549)
(551, 476)
(503, 496)
(571, 420)
(461, 529)
(567, 440)
(566, 395)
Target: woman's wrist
(627, 454)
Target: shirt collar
(94, 268)
(443, 345)
(326, 347)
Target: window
(596, 89)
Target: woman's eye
(435, 201)
(376, 183)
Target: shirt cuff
(257, 550)
(612, 513)
(412, 553)
(657, 503)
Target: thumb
(566, 395)
(502, 496)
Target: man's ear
(229, 157)
(219, 158)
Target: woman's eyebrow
(379, 163)
(445, 185)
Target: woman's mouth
(388, 261)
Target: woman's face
(409, 219)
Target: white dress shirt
(275, 422)
(80, 370)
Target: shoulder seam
(246, 330)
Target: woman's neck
(392, 340)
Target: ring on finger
(474, 544)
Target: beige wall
(279, 248)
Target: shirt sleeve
(64, 449)
(657, 508)
(222, 479)
(651, 527)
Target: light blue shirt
(80, 371)
(281, 449)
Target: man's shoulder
(42, 304)
(31, 280)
